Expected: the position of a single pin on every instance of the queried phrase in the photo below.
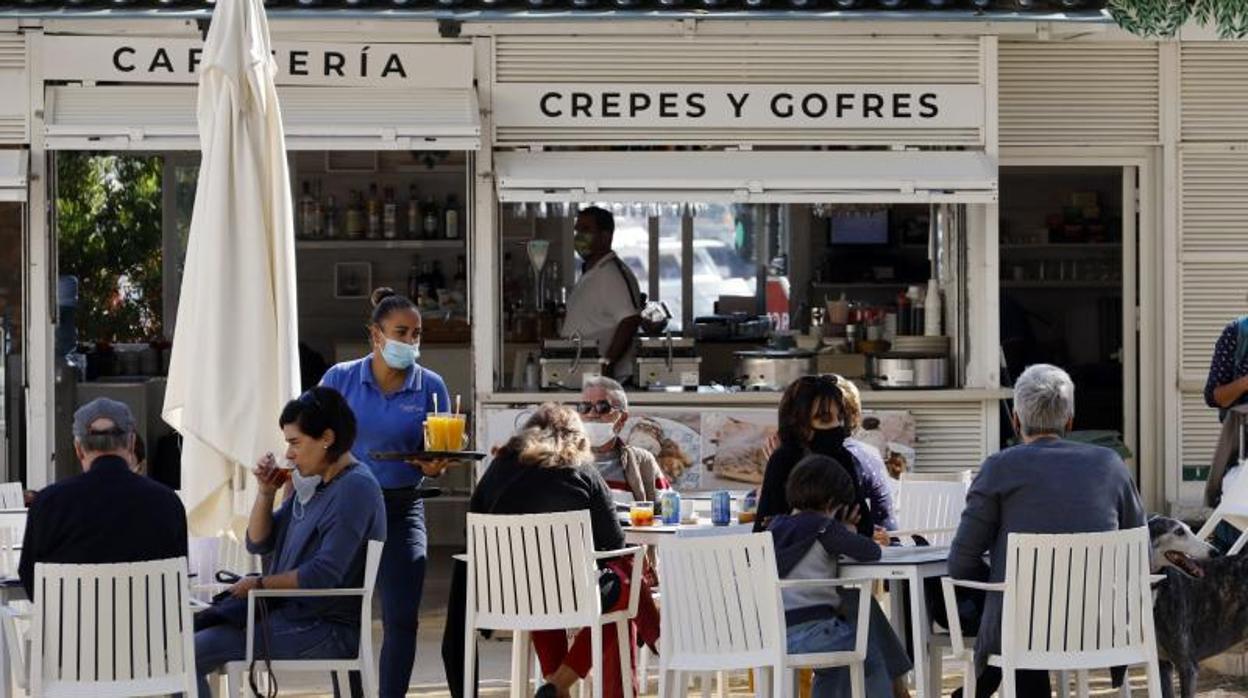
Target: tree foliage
(1164, 18)
(108, 219)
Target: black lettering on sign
(611, 105)
(785, 111)
(161, 60)
(637, 103)
(544, 105)
(697, 105)
(901, 105)
(814, 105)
(194, 58)
(667, 105)
(334, 62)
(298, 62)
(927, 102)
(581, 103)
(393, 65)
(123, 67)
(844, 103)
(364, 61)
(873, 104)
(738, 103)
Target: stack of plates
(921, 345)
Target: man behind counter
(605, 306)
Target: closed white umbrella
(235, 355)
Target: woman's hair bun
(381, 294)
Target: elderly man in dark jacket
(108, 513)
(1044, 485)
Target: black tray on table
(428, 455)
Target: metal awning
(748, 177)
(315, 118)
(13, 174)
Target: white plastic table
(911, 565)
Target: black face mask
(828, 441)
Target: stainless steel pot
(771, 369)
(897, 370)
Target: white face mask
(600, 433)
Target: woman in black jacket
(817, 415)
(548, 467)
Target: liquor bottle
(413, 279)
(451, 216)
(331, 218)
(374, 213)
(390, 216)
(413, 214)
(307, 221)
(318, 213)
(355, 217)
(424, 290)
(432, 220)
(460, 283)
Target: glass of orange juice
(445, 432)
(641, 514)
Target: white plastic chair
(530, 572)
(724, 612)
(208, 555)
(12, 495)
(929, 508)
(1233, 509)
(363, 660)
(1073, 602)
(112, 630)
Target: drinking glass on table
(641, 514)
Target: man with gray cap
(108, 513)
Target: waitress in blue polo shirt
(390, 394)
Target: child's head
(819, 483)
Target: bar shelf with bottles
(403, 214)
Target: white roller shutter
(1213, 254)
(13, 175)
(14, 91)
(950, 435)
(1197, 431)
(674, 60)
(747, 176)
(1214, 91)
(315, 118)
(1078, 93)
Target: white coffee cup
(686, 509)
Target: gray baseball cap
(103, 408)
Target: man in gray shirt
(1044, 485)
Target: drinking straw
(435, 403)
(456, 404)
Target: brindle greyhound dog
(1201, 609)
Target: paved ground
(429, 679)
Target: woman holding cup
(392, 396)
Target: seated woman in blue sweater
(821, 528)
(318, 539)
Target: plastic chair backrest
(12, 495)
(115, 629)
(930, 505)
(1078, 601)
(721, 606)
(532, 571)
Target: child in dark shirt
(809, 542)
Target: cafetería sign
(738, 106)
(140, 59)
